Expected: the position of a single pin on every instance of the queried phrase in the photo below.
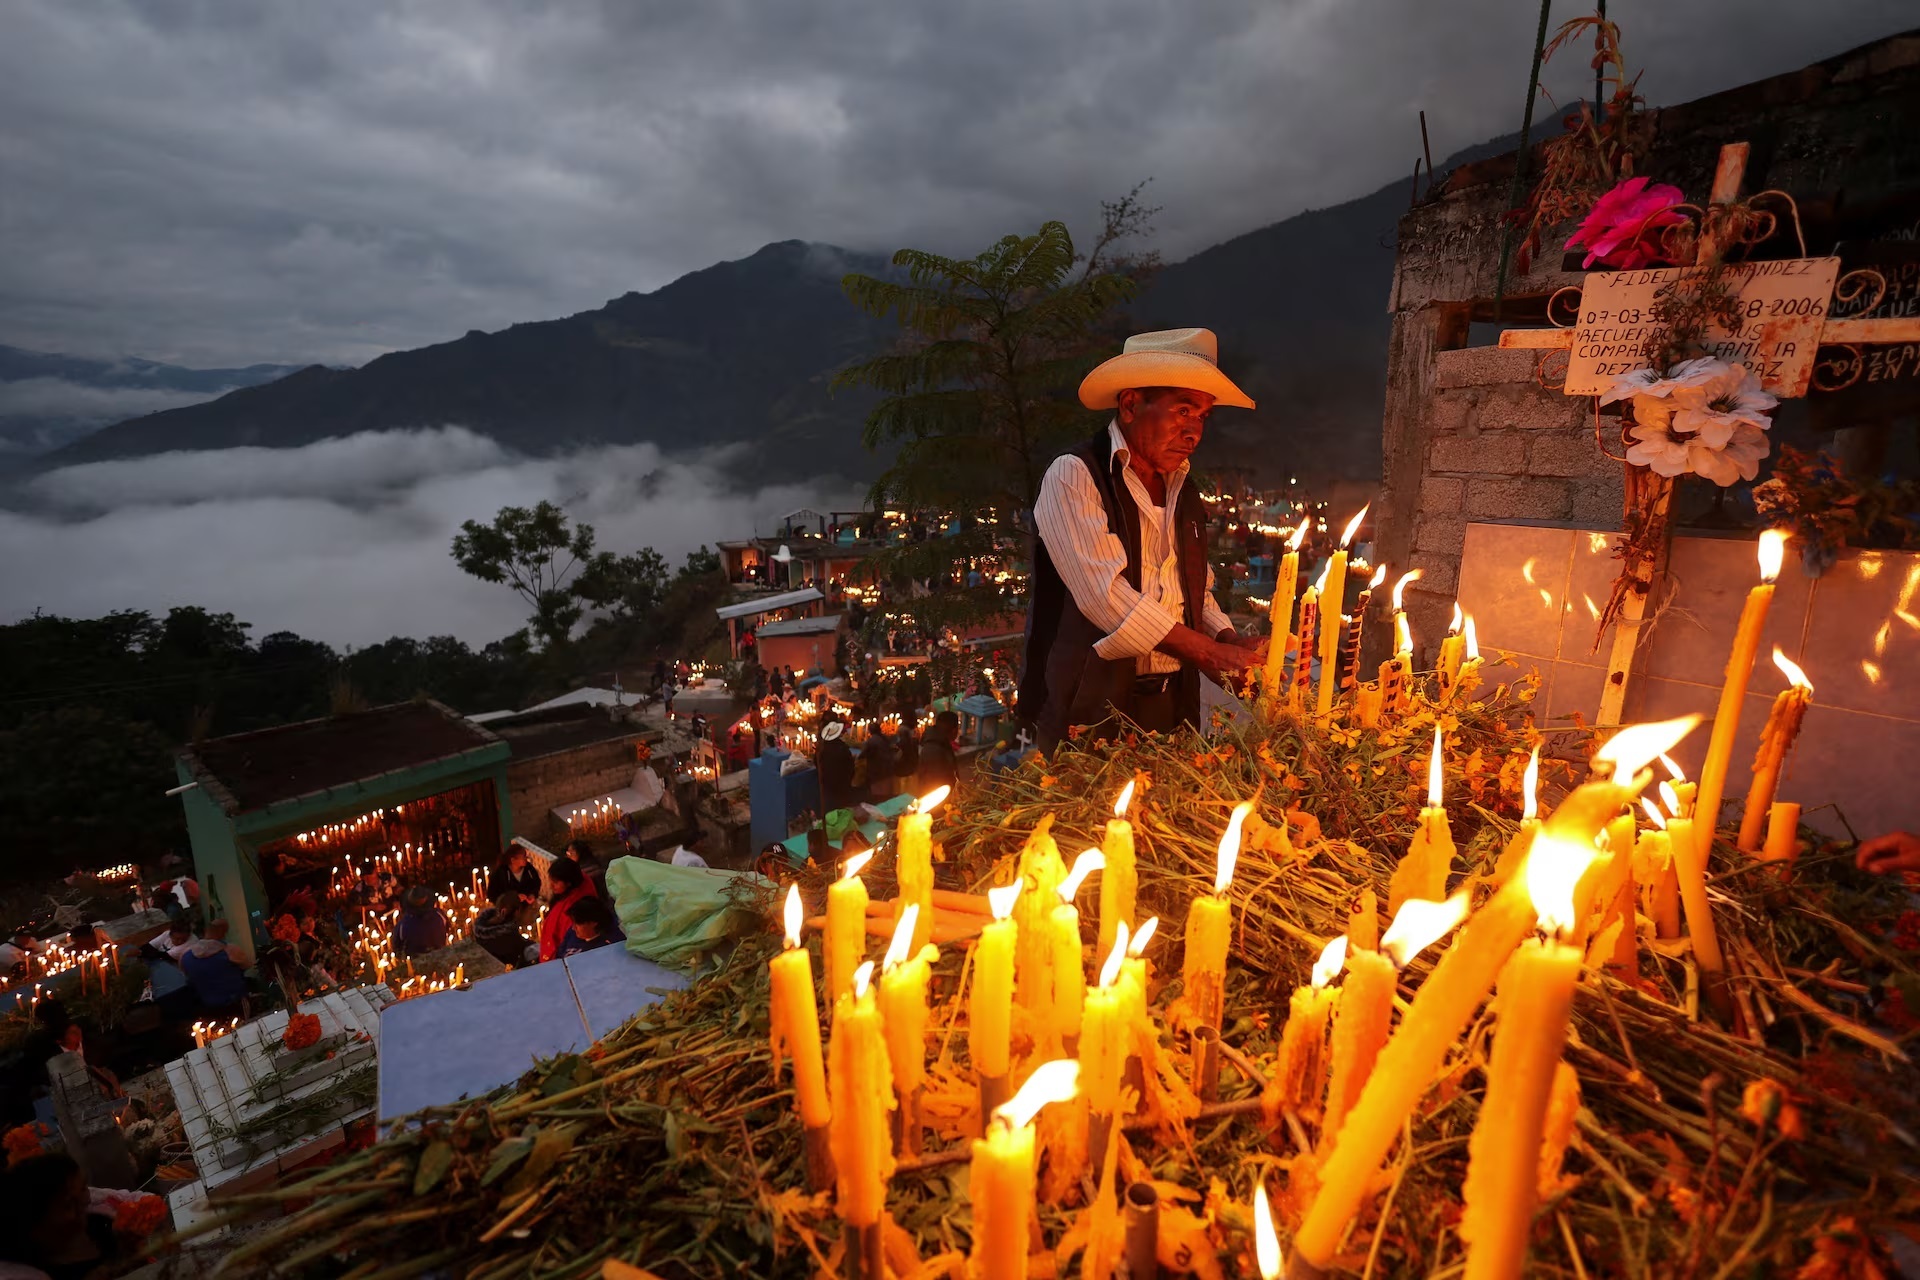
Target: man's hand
(1219, 660)
(1885, 855)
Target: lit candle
(1069, 975)
(1133, 983)
(1360, 1024)
(1103, 1048)
(862, 1094)
(1210, 931)
(794, 1018)
(1302, 682)
(1468, 678)
(1502, 1185)
(1368, 702)
(1041, 872)
(1515, 854)
(1300, 1067)
(903, 1012)
(1690, 873)
(1396, 672)
(1681, 787)
(1423, 872)
(1351, 676)
(1333, 598)
(846, 927)
(1733, 692)
(990, 1003)
(1446, 1002)
(1280, 615)
(1120, 877)
(915, 864)
(1266, 1241)
(1453, 651)
(1000, 1182)
(1783, 726)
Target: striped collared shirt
(1073, 523)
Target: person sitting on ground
(172, 994)
(497, 929)
(939, 761)
(179, 938)
(515, 875)
(591, 926)
(422, 926)
(218, 973)
(570, 885)
(375, 895)
(17, 950)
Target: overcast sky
(293, 180)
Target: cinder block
(1534, 408)
(1528, 498)
(1440, 532)
(1567, 455)
(1439, 572)
(1439, 494)
(1504, 455)
(1452, 412)
(1482, 366)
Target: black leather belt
(1149, 685)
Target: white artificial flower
(1653, 411)
(1653, 448)
(1651, 382)
(1747, 446)
(1714, 406)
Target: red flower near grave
(286, 929)
(25, 1142)
(303, 1030)
(1623, 229)
(139, 1218)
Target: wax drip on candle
(1138, 946)
(795, 915)
(1266, 1241)
(1089, 861)
(1418, 925)
(1333, 957)
(1110, 971)
(1530, 786)
(1054, 1081)
(1229, 848)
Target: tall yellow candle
(1210, 931)
(1120, 878)
(1001, 1179)
(846, 927)
(1502, 1186)
(1423, 872)
(1104, 1034)
(1041, 872)
(1690, 870)
(1783, 726)
(1733, 691)
(1333, 598)
(1133, 975)
(1360, 1024)
(1300, 1066)
(794, 1019)
(1069, 969)
(862, 1095)
(1280, 615)
(1446, 1002)
(1301, 685)
(990, 1003)
(903, 1015)
(915, 865)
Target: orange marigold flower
(303, 1030)
(24, 1142)
(1047, 779)
(286, 929)
(137, 1219)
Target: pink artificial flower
(1622, 228)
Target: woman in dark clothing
(939, 762)
(834, 760)
(516, 875)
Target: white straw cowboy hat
(832, 732)
(1188, 358)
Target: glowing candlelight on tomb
(862, 1095)
(1453, 650)
(1422, 873)
(1354, 631)
(846, 926)
(1726, 720)
(1041, 872)
(1682, 806)
(1001, 1183)
(1210, 930)
(1069, 977)
(1303, 658)
(1104, 1039)
(1266, 1242)
(1783, 726)
(1280, 615)
(1133, 977)
(1332, 601)
(990, 1006)
(1536, 1001)
(915, 864)
(1119, 878)
(794, 1018)
(1300, 1068)
(1365, 1008)
(1469, 677)
(904, 975)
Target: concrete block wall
(542, 782)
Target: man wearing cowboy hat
(1122, 619)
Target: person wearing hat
(422, 926)
(1121, 619)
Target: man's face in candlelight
(1163, 425)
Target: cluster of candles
(57, 958)
(427, 983)
(370, 945)
(594, 819)
(337, 832)
(124, 871)
(399, 859)
(205, 1033)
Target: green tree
(628, 587)
(535, 551)
(979, 395)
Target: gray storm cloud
(347, 540)
(288, 181)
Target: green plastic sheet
(676, 916)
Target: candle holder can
(1142, 1225)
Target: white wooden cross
(1787, 301)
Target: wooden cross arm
(1832, 333)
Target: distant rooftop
(801, 626)
(766, 604)
(268, 766)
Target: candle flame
(1673, 767)
(855, 863)
(1230, 847)
(1418, 925)
(796, 915)
(1473, 638)
(1115, 958)
(932, 800)
(1300, 534)
(902, 937)
(1089, 861)
(1055, 1081)
(1353, 526)
(1000, 901)
(1320, 583)
(1791, 669)
(1773, 549)
(1332, 957)
(1554, 867)
(1138, 947)
(1126, 798)
(1266, 1243)
(1459, 620)
(1631, 749)
(1402, 635)
(1435, 764)
(1530, 785)
(1399, 588)
(1653, 812)
(1670, 798)
(1379, 576)
(862, 977)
